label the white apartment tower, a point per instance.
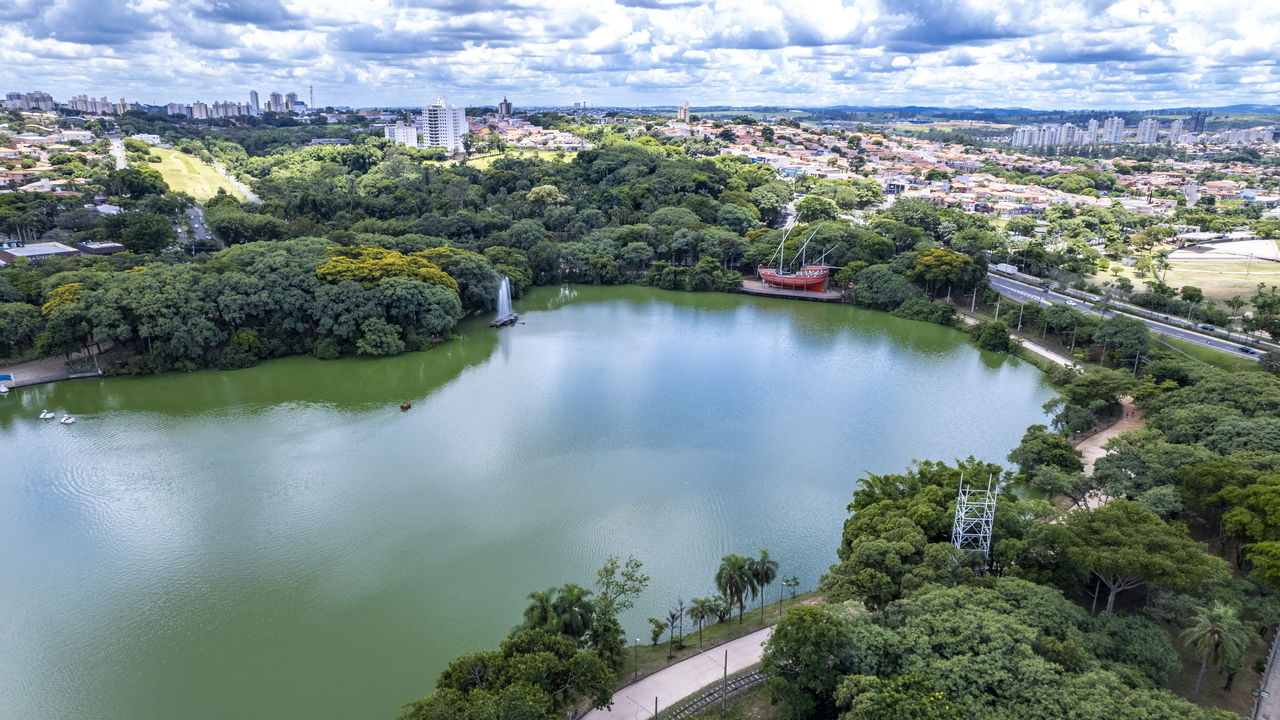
(254, 107)
(276, 103)
(682, 113)
(401, 133)
(443, 125)
(1147, 131)
(1175, 131)
(1113, 130)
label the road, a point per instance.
(244, 189)
(1023, 292)
(117, 150)
(673, 684)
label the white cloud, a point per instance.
(1052, 53)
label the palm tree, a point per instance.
(540, 613)
(1217, 636)
(672, 618)
(763, 572)
(734, 579)
(574, 610)
(700, 611)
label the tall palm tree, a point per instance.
(1217, 636)
(541, 613)
(735, 580)
(763, 571)
(574, 610)
(700, 611)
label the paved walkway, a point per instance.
(1092, 446)
(34, 372)
(674, 684)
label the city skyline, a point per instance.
(1138, 54)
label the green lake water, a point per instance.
(282, 543)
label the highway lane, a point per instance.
(1023, 293)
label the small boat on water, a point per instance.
(67, 420)
(46, 415)
(406, 405)
(3, 389)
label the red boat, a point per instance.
(810, 277)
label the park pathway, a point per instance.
(1092, 446)
(683, 679)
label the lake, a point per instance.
(283, 543)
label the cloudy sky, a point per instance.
(1032, 53)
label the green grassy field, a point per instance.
(188, 174)
(1219, 280)
(1217, 358)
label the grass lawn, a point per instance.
(652, 658)
(1219, 280)
(189, 174)
(482, 162)
(1217, 358)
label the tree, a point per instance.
(804, 659)
(379, 337)
(903, 697)
(700, 611)
(935, 266)
(763, 571)
(19, 325)
(878, 286)
(147, 233)
(735, 579)
(1125, 336)
(814, 208)
(1218, 637)
(1124, 546)
(1039, 448)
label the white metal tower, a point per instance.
(975, 516)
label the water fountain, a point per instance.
(505, 315)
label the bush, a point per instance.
(992, 336)
(927, 311)
(327, 349)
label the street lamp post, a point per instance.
(635, 660)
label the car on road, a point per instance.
(1072, 303)
(1205, 326)
(1248, 350)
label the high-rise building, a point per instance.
(443, 125)
(1092, 129)
(199, 111)
(682, 113)
(1198, 119)
(176, 109)
(276, 103)
(1175, 131)
(401, 133)
(1147, 128)
(253, 102)
(290, 102)
(1113, 130)
(504, 107)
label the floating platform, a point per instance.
(505, 320)
(756, 287)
